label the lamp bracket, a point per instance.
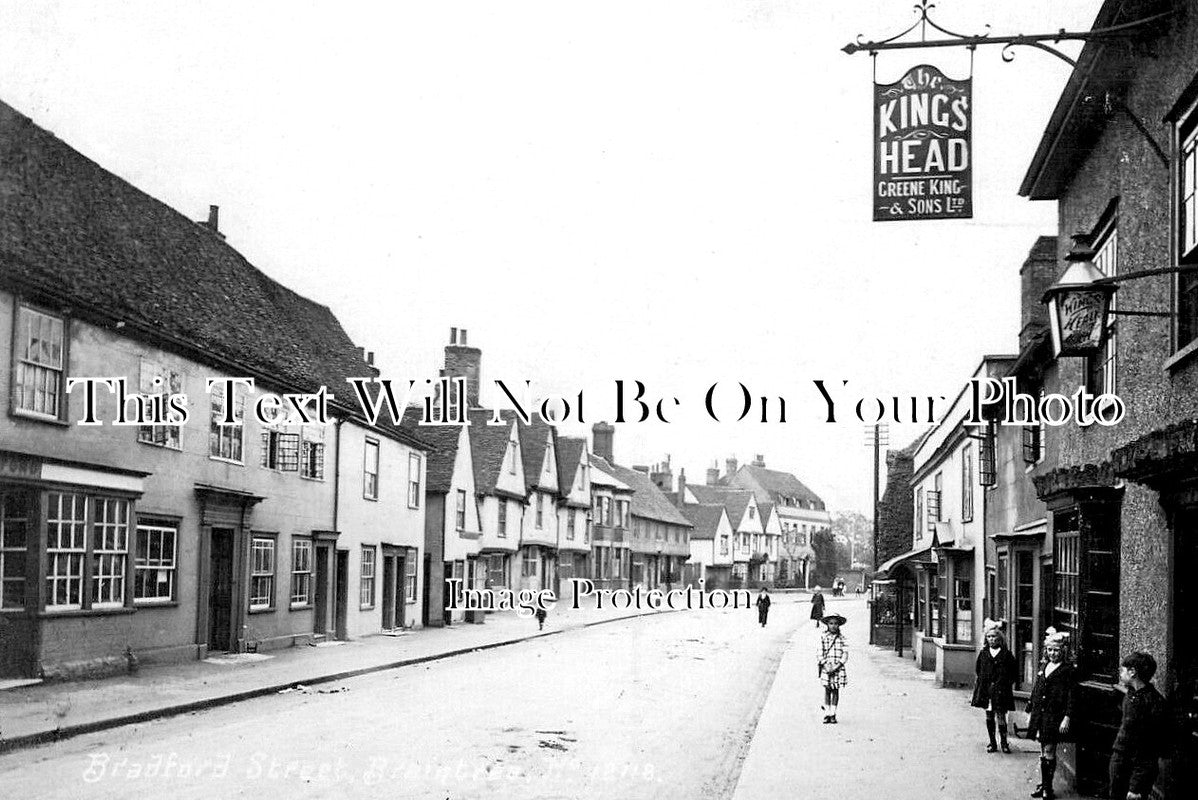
(1037, 40)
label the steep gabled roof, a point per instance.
(733, 499)
(648, 501)
(705, 517)
(534, 438)
(764, 509)
(569, 456)
(488, 445)
(75, 234)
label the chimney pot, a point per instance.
(214, 218)
(453, 335)
(370, 357)
(463, 337)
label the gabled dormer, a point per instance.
(511, 470)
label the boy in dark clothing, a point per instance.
(1133, 767)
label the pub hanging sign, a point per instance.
(923, 145)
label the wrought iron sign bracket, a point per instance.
(1127, 30)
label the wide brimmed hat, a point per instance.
(839, 620)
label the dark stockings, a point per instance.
(997, 719)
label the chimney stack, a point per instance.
(759, 461)
(730, 466)
(213, 221)
(1038, 272)
(681, 487)
(464, 362)
(602, 435)
(713, 473)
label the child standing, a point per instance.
(1051, 708)
(992, 690)
(1133, 766)
(833, 653)
(763, 606)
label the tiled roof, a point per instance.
(705, 517)
(764, 510)
(74, 233)
(488, 445)
(601, 475)
(647, 500)
(444, 440)
(534, 437)
(569, 454)
(733, 499)
(780, 484)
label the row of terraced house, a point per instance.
(1089, 528)
(126, 544)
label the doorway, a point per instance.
(389, 582)
(341, 607)
(220, 591)
(1185, 645)
(320, 624)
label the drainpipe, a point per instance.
(337, 471)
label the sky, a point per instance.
(672, 192)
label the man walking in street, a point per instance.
(763, 606)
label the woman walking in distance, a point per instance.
(995, 680)
(833, 653)
(1051, 708)
(817, 606)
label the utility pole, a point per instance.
(877, 436)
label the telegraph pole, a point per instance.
(876, 436)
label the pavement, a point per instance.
(899, 735)
(35, 714)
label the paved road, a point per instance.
(662, 706)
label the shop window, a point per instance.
(110, 551)
(40, 361)
(66, 549)
(1067, 560)
(301, 572)
(937, 589)
(921, 604)
(1022, 625)
(16, 517)
(962, 609)
(154, 564)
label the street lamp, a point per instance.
(1079, 304)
